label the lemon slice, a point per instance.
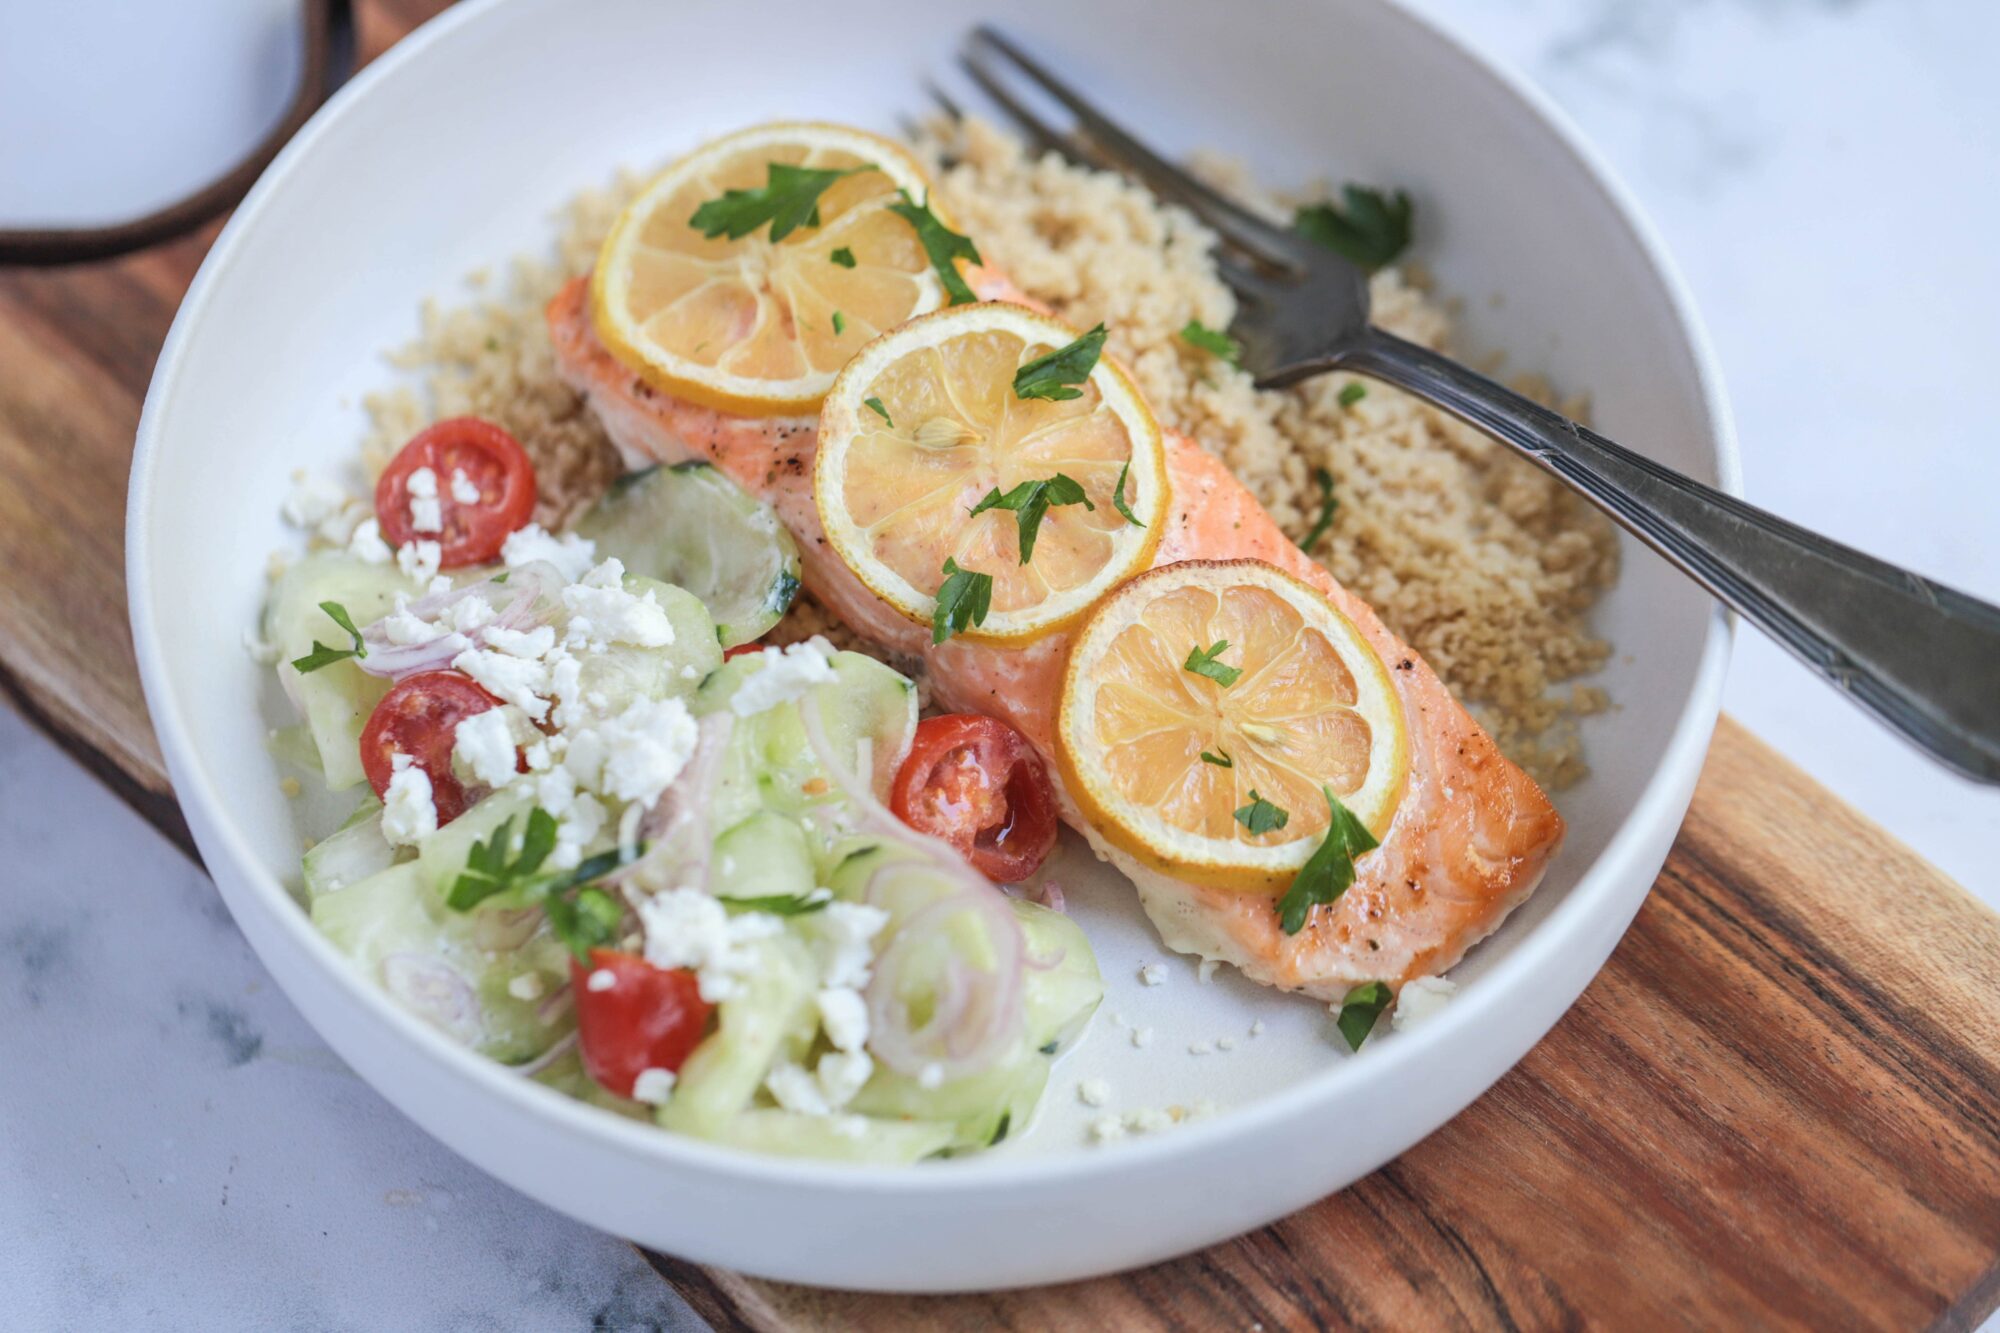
(1310, 705)
(925, 422)
(747, 325)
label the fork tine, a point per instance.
(1045, 137)
(1229, 219)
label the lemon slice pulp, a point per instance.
(749, 325)
(926, 421)
(1310, 705)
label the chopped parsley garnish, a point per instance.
(1054, 375)
(1049, 1048)
(1260, 816)
(963, 600)
(1220, 345)
(1352, 392)
(843, 257)
(1000, 1131)
(1030, 502)
(1370, 231)
(488, 869)
(321, 655)
(1203, 662)
(1118, 497)
(1220, 760)
(875, 405)
(1327, 504)
(1330, 871)
(839, 323)
(788, 199)
(779, 904)
(1359, 1010)
(588, 921)
(943, 245)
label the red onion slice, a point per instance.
(977, 1015)
(527, 599)
(433, 990)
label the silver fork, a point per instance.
(1922, 657)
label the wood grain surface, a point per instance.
(1778, 1106)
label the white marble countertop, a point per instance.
(1827, 173)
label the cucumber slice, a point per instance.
(452, 969)
(690, 525)
(443, 855)
(337, 699)
(839, 1138)
(973, 1108)
(349, 855)
(624, 672)
(1066, 989)
(764, 856)
(725, 1071)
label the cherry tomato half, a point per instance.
(646, 1018)
(493, 462)
(419, 717)
(977, 783)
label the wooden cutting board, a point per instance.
(1778, 1105)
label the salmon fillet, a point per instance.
(1470, 838)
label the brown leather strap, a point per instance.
(329, 59)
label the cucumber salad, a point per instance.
(607, 838)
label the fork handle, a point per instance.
(1922, 657)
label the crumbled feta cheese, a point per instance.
(1107, 1127)
(468, 613)
(462, 489)
(653, 1086)
(1153, 974)
(786, 674)
(534, 643)
(262, 651)
(1421, 999)
(1149, 1121)
(846, 931)
(367, 545)
(337, 528)
(419, 560)
(1142, 1037)
(796, 1090)
(426, 511)
(408, 814)
(1257, 1027)
(570, 554)
(603, 979)
(526, 986)
(844, 1015)
(515, 680)
(1205, 973)
(1225, 1043)
(841, 1074)
(1093, 1092)
(484, 743)
(931, 1077)
(688, 928)
(601, 611)
(634, 755)
(1199, 1048)
(312, 501)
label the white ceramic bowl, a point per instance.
(450, 153)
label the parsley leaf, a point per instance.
(963, 600)
(1327, 504)
(839, 323)
(1118, 497)
(1221, 345)
(943, 245)
(1359, 1010)
(1352, 392)
(321, 655)
(1330, 871)
(1260, 816)
(1221, 760)
(488, 869)
(587, 921)
(788, 199)
(1030, 502)
(843, 257)
(779, 904)
(1052, 376)
(875, 405)
(1202, 661)
(1371, 231)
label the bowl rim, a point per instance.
(1659, 803)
